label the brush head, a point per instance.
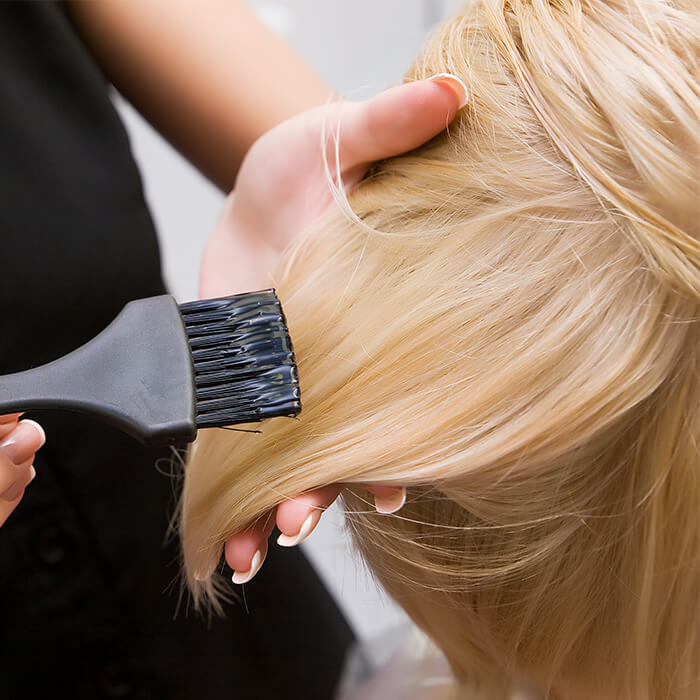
(160, 371)
(243, 360)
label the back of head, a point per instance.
(509, 325)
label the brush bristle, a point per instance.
(243, 359)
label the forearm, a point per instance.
(207, 74)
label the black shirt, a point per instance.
(89, 588)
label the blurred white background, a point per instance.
(358, 47)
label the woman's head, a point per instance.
(508, 325)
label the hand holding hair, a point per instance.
(19, 440)
(282, 187)
(296, 519)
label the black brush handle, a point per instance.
(136, 375)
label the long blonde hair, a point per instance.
(509, 325)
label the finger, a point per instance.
(297, 517)
(245, 551)
(8, 474)
(7, 507)
(8, 423)
(240, 549)
(11, 475)
(387, 499)
(399, 119)
(257, 561)
(24, 474)
(21, 443)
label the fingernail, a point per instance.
(32, 474)
(390, 504)
(308, 525)
(23, 441)
(455, 84)
(245, 576)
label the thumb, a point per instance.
(397, 120)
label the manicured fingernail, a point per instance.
(39, 429)
(455, 84)
(308, 525)
(390, 504)
(23, 441)
(245, 576)
(32, 474)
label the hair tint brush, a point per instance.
(160, 371)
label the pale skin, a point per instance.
(213, 82)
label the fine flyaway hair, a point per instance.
(507, 321)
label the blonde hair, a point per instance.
(509, 325)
